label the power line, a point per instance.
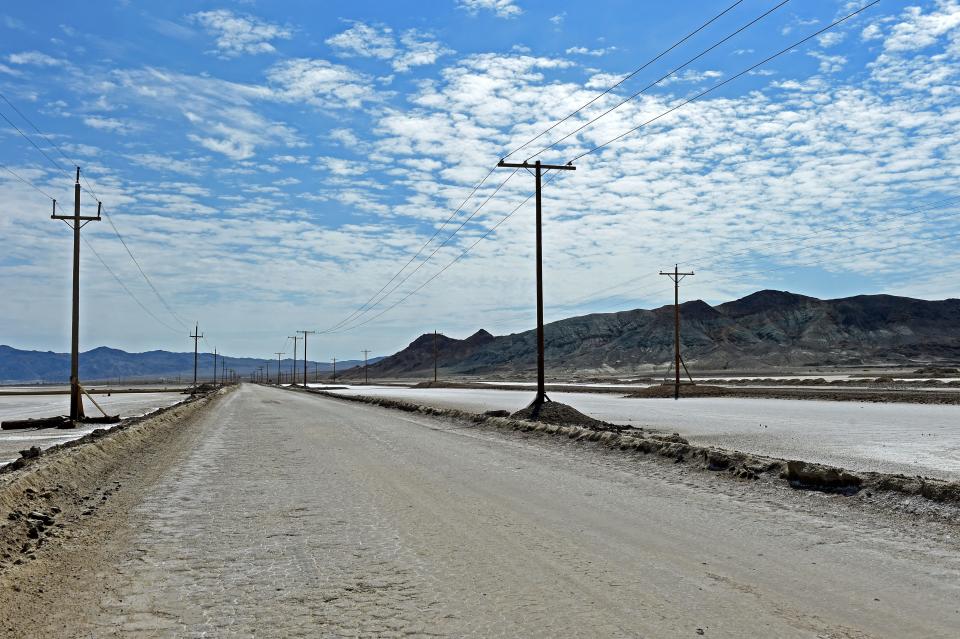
(436, 250)
(728, 80)
(128, 291)
(90, 190)
(418, 253)
(625, 78)
(142, 272)
(661, 79)
(41, 133)
(366, 306)
(36, 146)
(27, 182)
(452, 262)
(793, 240)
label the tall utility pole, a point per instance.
(537, 173)
(334, 369)
(366, 380)
(74, 221)
(268, 371)
(196, 335)
(293, 364)
(305, 333)
(434, 357)
(278, 368)
(676, 276)
(214, 367)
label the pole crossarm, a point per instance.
(528, 165)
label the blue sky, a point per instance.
(272, 165)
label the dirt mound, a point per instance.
(686, 390)
(557, 413)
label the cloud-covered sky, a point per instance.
(272, 165)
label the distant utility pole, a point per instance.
(434, 357)
(305, 333)
(316, 371)
(214, 367)
(538, 169)
(74, 221)
(278, 367)
(366, 380)
(293, 364)
(196, 335)
(334, 369)
(676, 276)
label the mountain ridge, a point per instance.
(764, 330)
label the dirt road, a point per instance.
(286, 514)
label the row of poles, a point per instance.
(78, 221)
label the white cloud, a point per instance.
(591, 52)
(829, 63)
(831, 39)
(872, 32)
(107, 124)
(165, 163)
(501, 8)
(918, 30)
(414, 49)
(320, 83)
(418, 49)
(239, 34)
(365, 41)
(558, 19)
(35, 58)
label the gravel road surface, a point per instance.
(288, 514)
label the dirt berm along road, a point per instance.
(282, 514)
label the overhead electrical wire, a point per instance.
(27, 182)
(125, 288)
(625, 78)
(722, 253)
(91, 191)
(659, 80)
(366, 305)
(671, 110)
(436, 250)
(726, 82)
(454, 260)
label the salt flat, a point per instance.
(900, 438)
(32, 406)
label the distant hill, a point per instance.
(101, 364)
(767, 329)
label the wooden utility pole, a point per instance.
(293, 365)
(538, 172)
(334, 369)
(305, 333)
(278, 368)
(214, 367)
(366, 380)
(76, 222)
(434, 357)
(196, 335)
(676, 276)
